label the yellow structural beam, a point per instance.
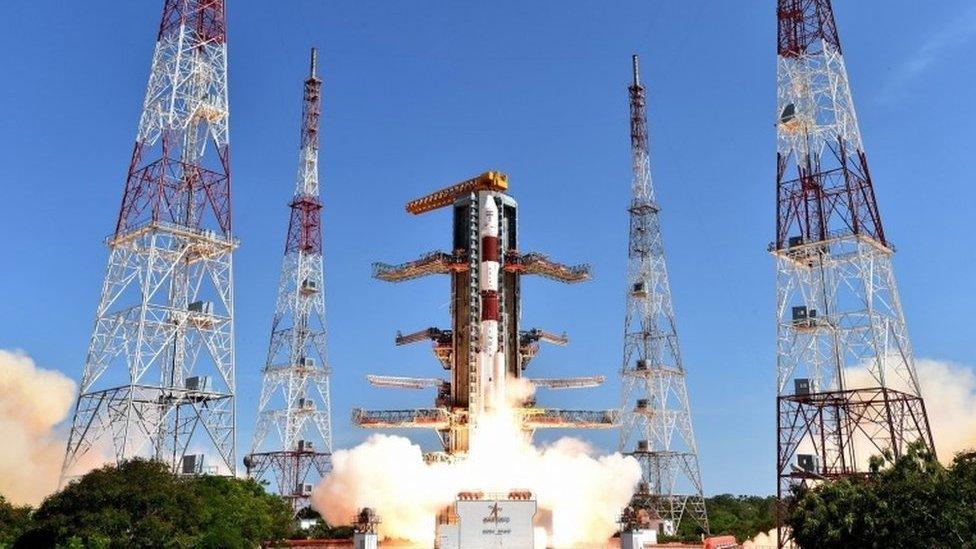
(488, 181)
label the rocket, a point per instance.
(492, 370)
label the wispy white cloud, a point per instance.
(954, 33)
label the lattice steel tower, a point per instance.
(837, 301)
(159, 375)
(655, 409)
(295, 403)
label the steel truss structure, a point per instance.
(159, 375)
(654, 405)
(295, 404)
(443, 419)
(438, 262)
(876, 418)
(838, 308)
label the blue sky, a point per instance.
(420, 94)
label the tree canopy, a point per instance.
(141, 504)
(13, 521)
(910, 502)
(741, 516)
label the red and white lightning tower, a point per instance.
(159, 375)
(837, 301)
(295, 404)
(655, 412)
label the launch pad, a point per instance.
(488, 521)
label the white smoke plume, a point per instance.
(950, 399)
(32, 401)
(584, 492)
(949, 390)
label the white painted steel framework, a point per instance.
(845, 374)
(654, 406)
(400, 382)
(849, 283)
(842, 270)
(293, 438)
(159, 374)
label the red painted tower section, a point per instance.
(827, 187)
(305, 226)
(168, 180)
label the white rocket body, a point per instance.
(492, 371)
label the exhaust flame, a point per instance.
(583, 491)
(32, 401)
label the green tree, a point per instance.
(141, 504)
(741, 516)
(238, 513)
(13, 521)
(322, 529)
(910, 502)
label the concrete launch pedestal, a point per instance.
(489, 521)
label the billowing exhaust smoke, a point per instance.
(33, 401)
(949, 391)
(584, 492)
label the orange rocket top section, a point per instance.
(488, 181)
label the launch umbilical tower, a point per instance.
(159, 374)
(295, 408)
(656, 426)
(484, 349)
(837, 303)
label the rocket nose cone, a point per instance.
(490, 205)
(489, 217)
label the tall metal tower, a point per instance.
(836, 297)
(654, 404)
(159, 374)
(295, 401)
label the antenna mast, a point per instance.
(295, 402)
(654, 405)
